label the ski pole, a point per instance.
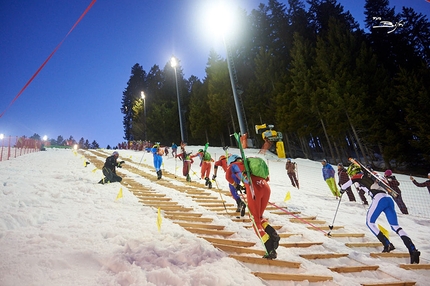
(141, 159)
(331, 226)
(220, 195)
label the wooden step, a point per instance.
(302, 218)
(247, 220)
(286, 235)
(155, 203)
(394, 283)
(309, 221)
(264, 261)
(228, 241)
(176, 208)
(209, 231)
(326, 227)
(364, 244)
(292, 277)
(214, 201)
(347, 234)
(200, 225)
(285, 213)
(216, 205)
(154, 199)
(237, 249)
(189, 218)
(148, 194)
(174, 213)
(299, 244)
(414, 266)
(277, 227)
(389, 254)
(351, 269)
(323, 255)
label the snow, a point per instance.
(59, 227)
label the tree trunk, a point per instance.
(326, 136)
(357, 139)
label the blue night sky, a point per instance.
(78, 93)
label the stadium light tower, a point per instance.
(174, 64)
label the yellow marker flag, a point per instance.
(384, 231)
(94, 170)
(119, 194)
(287, 196)
(159, 220)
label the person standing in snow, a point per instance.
(343, 178)
(174, 149)
(394, 184)
(328, 175)
(382, 202)
(256, 204)
(205, 166)
(222, 162)
(109, 169)
(291, 172)
(424, 184)
(157, 153)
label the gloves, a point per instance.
(240, 188)
(213, 177)
(119, 164)
(342, 191)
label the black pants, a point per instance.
(111, 176)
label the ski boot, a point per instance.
(208, 183)
(271, 252)
(388, 246)
(413, 252)
(188, 178)
(159, 174)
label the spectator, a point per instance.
(424, 184)
(328, 175)
(291, 172)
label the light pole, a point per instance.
(174, 63)
(144, 114)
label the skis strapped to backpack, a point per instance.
(245, 163)
(383, 184)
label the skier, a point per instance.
(109, 169)
(394, 184)
(382, 202)
(256, 205)
(343, 178)
(424, 184)
(222, 162)
(187, 161)
(351, 171)
(174, 149)
(157, 153)
(291, 172)
(206, 166)
(328, 175)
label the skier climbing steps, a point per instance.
(194, 222)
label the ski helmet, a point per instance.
(232, 159)
(115, 153)
(288, 159)
(388, 173)
(200, 150)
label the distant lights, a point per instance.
(75, 146)
(45, 138)
(1, 136)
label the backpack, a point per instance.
(206, 156)
(258, 167)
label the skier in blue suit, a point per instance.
(157, 152)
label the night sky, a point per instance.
(78, 92)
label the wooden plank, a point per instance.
(153, 199)
(286, 235)
(310, 221)
(277, 227)
(237, 249)
(347, 234)
(155, 203)
(148, 194)
(303, 218)
(300, 244)
(414, 266)
(326, 227)
(200, 225)
(228, 242)
(389, 254)
(395, 283)
(351, 269)
(211, 202)
(323, 255)
(216, 205)
(363, 244)
(264, 261)
(174, 213)
(176, 208)
(241, 219)
(189, 218)
(285, 213)
(210, 231)
(292, 277)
